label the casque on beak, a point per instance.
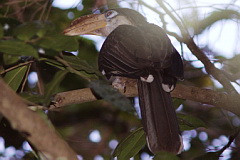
(89, 24)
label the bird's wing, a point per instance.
(124, 51)
(136, 52)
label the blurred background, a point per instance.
(94, 129)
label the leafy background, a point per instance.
(32, 44)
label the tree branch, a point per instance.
(33, 127)
(210, 68)
(205, 96)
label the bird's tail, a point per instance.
(159, 117)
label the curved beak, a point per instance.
(89, 24)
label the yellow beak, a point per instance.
(89, 24)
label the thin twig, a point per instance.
(25, 77)
(69, 67)
(22, 8)
(36, 11)
(181, 21)
(14, 2)
(44, 9)
(169, 13)
(6, 13)
(210, 68)
(151, 8)
(231, 139)
(48, 12)
(14, 67)
(40, 83)
(161, 15)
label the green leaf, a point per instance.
(187, 122)
(38, 99)
(131, 145)
(177, 102)
(137, 157)
(18, 48)
(10, 59)
(15, 77)
(87, 51)
(58, 42)
(53, 62)
(28, 30)
(1, 31)
(11, 22)
(52, 87)
(50, 52)
(111, 95)
(165, 156)
(81, 65)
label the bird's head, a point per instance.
(104, 24)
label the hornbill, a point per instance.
(137, 49)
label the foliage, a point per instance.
(31, 40)
(131, 145)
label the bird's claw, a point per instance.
(119, 84)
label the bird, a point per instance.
(137, 49)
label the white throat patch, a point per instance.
(115, 22)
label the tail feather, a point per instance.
(159, 117)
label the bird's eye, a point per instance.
(110, 14)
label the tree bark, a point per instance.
(205, 96)
(39, 132)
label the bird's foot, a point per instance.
(103, 72)
(119, 83)
(148, 79)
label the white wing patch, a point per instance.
(167, 87)
(149, 79)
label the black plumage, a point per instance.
(137, 49)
